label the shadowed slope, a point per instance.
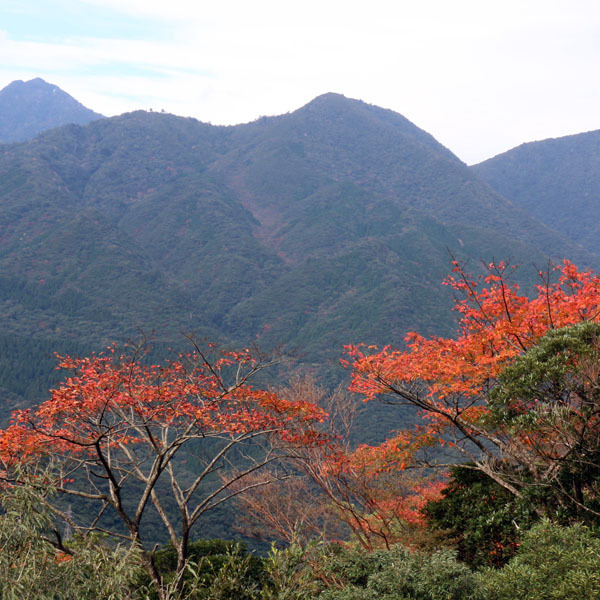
(557, 180)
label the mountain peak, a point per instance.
(36, 81)
(30, 107)
(332, 97)
(333, 101)
(334, 110)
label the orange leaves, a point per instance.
(113, 401)
(409, 506)
(449, 380)
(62, 558)
(374, 492)
(18, 444)
(497, 324)
(394, 454)
(119, 427)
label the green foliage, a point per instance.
(553, 563)
(288, 575)
(28, 369)
(554, 389)
(235, 579)
(399, 574)
(32, 568)
(222, 570)
(216, 570)
(481, 518)
(549, 373)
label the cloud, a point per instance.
(480, 76)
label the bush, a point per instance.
(553, 563)
(400, 574)
(31, 567)
(290, 573)
(216, 570)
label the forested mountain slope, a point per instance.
(557, 180)
(30, 107)
(314, 229)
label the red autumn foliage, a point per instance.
(338, 490)
(380, 503)
(115, 421)
(114, 402)
(449, 379)
(497, 324)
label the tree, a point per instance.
(549, 400)
(337, 489)
(397, 573)
(480, 518)
(472, 390)
(115, 432)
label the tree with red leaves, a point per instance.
(119, 434)
(516, 392)
(339, 489)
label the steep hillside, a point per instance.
(557, 180)
(322, 227)
(363, 207)
(30, 107)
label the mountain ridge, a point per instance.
(322, 227)
(28, 108)
(557, 180)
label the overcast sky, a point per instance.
(481, 76)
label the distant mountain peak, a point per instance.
(36, 81)
(557, 180)
(29, 107)
(332, 97)
(333, 100)
(357, 117)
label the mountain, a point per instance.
(326, 226)
(557, 180)
(30, 107)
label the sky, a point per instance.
(482, 76)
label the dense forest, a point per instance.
(327, 226)
(206, 338)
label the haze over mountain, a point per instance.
(30, 107)
(325, 226)
(557, 180)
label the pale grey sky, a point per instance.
(481, 76)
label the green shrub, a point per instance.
(289, 575)
(400, 574)
(553, 563)
(216, 570)
(32, 568)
